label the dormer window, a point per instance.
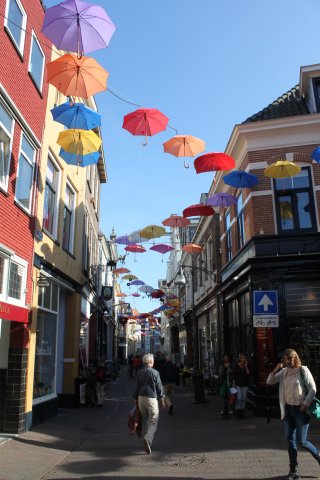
(316, 90)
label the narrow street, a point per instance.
(193, 442)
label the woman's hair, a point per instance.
(289, 352)
(147, 359)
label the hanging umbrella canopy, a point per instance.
(146, 289)
(135, 248)
(80, 160)
(76, 115)
(120, 294)
(135, 237)
(137, 282)
(79, 142)
(198, 210)
(184, 146)
(129, 277)
(222, 200)
(175, 221)
(192, 248)
(282, 169)
(240, 179)
(152, 231)
(316, 155)
(135, 294)
(145, 121)
(210, 162)
(157, 294)
(123, 240)
(121, 270)
(161, 248)
(78, 26)
(78, 77)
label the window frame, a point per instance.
(4, 186)
(35, 81)
(240, 223)
(32, 164)
(70, 248)
(20, 47)
(228, 236)
(54, 233)
(315, 84)
(293, 194)
(4, 295)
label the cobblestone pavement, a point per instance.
(192, 443)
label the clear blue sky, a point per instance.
(206, 64)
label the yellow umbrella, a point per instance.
(152, 231)
(282, 169)
(129, 277)
(80, 142)
(286, 212)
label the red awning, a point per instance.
(13, 313)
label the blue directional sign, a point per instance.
(265, 302)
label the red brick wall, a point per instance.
(17, 230)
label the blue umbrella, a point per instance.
(80, 160)
(222, 200)
(76, 115)
(316, 155)
(240, 179)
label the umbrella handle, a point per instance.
(145, 142)
(186, 164)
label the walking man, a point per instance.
(148, 390)
(169, 374)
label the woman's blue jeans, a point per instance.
(296, 431)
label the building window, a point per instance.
(6, 134)
(240, 221)
(15, 23)
(68, 220)
(36, 64)
(316, 90)
(50, 209)
(25, 174)
(295, 203)
(228, 236)
(13, 274)
(46, 343)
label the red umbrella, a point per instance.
(198, 210)
(145, 121)
(214, 161)
(157, 294)
(175, 221)
(135, 248)
(121, 270)
(192, 248)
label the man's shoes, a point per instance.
(147, 446)
(293, 474)
(170, 409)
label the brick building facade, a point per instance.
(23, 94)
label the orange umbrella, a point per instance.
(79, 77)
(192, 248)
(184, 146)
(175, 221)
(119, 271)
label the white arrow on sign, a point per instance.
(265, 302)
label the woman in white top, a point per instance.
(297, 389)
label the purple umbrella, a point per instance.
(135, 295)
(137, 282)
(123, 240)
(77, 26)
(161, 248)
(222, 200)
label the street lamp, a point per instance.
(197, 375)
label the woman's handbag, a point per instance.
(314, 408)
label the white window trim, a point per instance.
(72, 226)
(20, 48)
(32, 163)
(4, 186)
(24, 264)
(54, 234)
(34, 39)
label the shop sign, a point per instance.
(13, 313)
(266, 321)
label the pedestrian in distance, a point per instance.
(130, 365)
(241, 381)
(100, 381)
(170, 378)
(297, 390)
(137, 364)
(225, 379)
(148, 390)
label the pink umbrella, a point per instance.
(135, 295)
(176, 221)
(135, 248)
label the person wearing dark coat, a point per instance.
(170, 378)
